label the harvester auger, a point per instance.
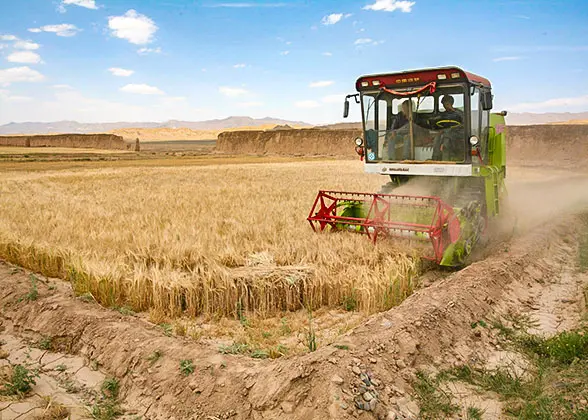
(432, 127)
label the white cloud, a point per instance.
(8, 38)
(511, 58)
(250, 104)
(361, 42)
(27, 57)
(145, 51)
(284, 52)
(579, 102)
(117, 71)
(61, 87)
(240, 66)
(322, 83)
(19, 74)
(307, 104)
(327, 54)
(63, 29)
(141, 89)
(132, 26)
(332, 18)
(391, 6)
(6, 96)
(332, 99)
(26, 45)
(88, 4)
(232, 91)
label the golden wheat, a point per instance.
(196, 240)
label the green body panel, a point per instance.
(493, 174)
(497, 141)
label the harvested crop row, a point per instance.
(200, 240)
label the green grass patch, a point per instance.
(155, 356)
(235, 348)
(555, 386)
(434, 403)
(33, 293)
(45, 343)
(186, 367)
(20, 382)
(564, 348)
(474, 413)
(107, 405)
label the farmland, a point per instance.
(208, 262)
(214, 240)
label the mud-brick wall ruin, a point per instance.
(562, 143)
(567, 143)
(303, 142)
(91, 141)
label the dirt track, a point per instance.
(531, 273)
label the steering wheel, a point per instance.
(448, 124)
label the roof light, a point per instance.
(441, 76)
(376, 83)
(455, 75)
(365, 84)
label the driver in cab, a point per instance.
(447, 119)
(450, 112)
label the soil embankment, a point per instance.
(566, 143)
(90, 141)
(182, 133)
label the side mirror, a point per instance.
(486, 100)
(346, 108)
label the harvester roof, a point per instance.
(419, 77)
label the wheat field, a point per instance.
(193, 240)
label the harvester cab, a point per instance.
(434, 129)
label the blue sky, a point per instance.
(154, 60)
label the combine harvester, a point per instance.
(434, 128)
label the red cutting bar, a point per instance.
(442, 230)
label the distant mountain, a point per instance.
(82, 128)
(342, 126)
(527, 118)
(230, 122)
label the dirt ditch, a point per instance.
(368, 373)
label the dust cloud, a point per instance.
(533, 195)
(547, 197)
